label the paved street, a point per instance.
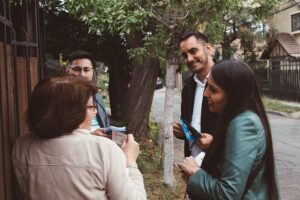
(157, 114)
(286, 139)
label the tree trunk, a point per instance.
(140, 96)
(228, 38)
(118, 87)
(226, 49)
(178, 80)
(116, 58)
(168, 116)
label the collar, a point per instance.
(202, 83)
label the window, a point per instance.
(295, 22)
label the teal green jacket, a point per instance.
(245, 146)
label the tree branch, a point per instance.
(161, 21)
(182, 18)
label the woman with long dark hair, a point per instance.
(239, 163)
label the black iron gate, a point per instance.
(282, 79)
(21, 61)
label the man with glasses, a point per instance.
(80, 64)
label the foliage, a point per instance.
(112, 15)
(221, 20)
(271, 38)
(150, 164)
(151, 41)
(151, 151)
(65, 34)
(242, 20)
(261, 71)
(156, 189)
(103, 83)
(62, 62)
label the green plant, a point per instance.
(151, 151)
(102, 82)
(63, 63)
(151, 162)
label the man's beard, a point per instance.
(203, 62)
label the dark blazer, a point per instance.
(209, 120)
(101, 113)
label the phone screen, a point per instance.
(192, 129)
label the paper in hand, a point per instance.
(199, 158)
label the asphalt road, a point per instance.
(286, 141)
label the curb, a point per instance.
(280, 113)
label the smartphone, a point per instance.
(192, 129)
(118, 137)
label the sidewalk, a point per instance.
(288, 103)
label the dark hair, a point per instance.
(199, 36)
(238, 81)
(57, 105)
(79, 54)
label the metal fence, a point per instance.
(280, 79)
(21, 64)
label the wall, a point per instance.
(280, 18)
(20, 69)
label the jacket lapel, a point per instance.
(101, 110)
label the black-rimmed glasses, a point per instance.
(93, 107)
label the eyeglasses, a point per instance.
(79, 69)
(92, 108)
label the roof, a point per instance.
(288, 43)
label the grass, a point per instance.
(151, 165)
(272, 104)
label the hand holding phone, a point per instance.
(118, 137)
(192, 130)
(131, 150)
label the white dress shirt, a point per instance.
(196, 151)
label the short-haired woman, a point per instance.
(239, 163)
(60, 159)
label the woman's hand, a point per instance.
(188, 166)
(131, 150)
(205, 141)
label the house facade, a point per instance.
(286, 18)
(283, 52)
